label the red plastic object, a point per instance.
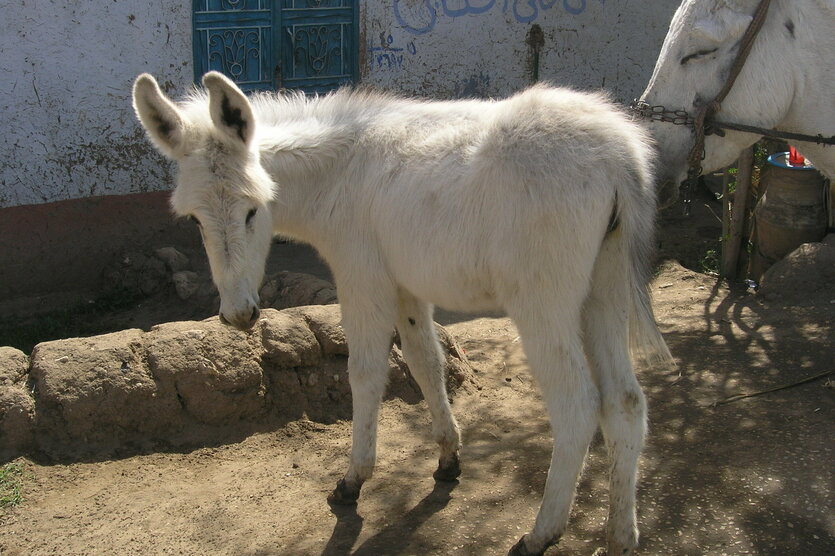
(795, 158)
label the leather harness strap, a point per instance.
(704, 115)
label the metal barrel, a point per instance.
(791, 211)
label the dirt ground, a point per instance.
(753, 476)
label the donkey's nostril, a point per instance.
(255, 314)
(223, 319)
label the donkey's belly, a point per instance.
(453, 291)
(465, 304)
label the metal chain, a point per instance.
(660, 113)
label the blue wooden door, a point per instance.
(317, 43)
(271, 44)
(235, 37)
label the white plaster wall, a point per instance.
(456, 48)
(66, 69)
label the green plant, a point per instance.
(732, 172)
(760, 154)
(11, 476)
(709, 262)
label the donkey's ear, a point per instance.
(708, 31)
(160, 118)
(736, 23)
(725, 26)
(229, 108)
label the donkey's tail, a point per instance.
(645, 341)
(637, 212)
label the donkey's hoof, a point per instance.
(345, 494)
(521, 549)
(449, 471)
(616, 549)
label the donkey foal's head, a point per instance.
(220, 183)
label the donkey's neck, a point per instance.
(306, 152)
(807, 57)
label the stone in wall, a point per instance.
(212, 370)
(148, 273)
(98, 394)
(293, 289)
(17, 407)
(805, 271)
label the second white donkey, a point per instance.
(541, 205)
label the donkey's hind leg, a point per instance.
(422, 353)
(623, 407)
(555, 354)
(368, 315)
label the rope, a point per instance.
(745, 48)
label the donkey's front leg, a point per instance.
(369, 330)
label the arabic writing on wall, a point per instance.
(423, 18)
(389, 56)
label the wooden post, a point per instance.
(726, 212)
(733, 242)
(747, 228)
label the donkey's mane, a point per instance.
(276, 109)
(292, 122)
(347, 102)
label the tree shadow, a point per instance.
(749, 476)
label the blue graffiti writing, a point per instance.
(390, 57)
(423, 19)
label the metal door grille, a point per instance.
(261, 44)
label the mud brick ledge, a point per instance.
(185, 384)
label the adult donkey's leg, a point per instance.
(368, 315)
(623, 408)
(551, 337)
(422, 353)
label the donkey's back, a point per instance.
(469, 201)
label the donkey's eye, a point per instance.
(249, 216)
(698, 54)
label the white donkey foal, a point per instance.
(541, 205)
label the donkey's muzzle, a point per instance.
(668, 193)
(242, 323)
